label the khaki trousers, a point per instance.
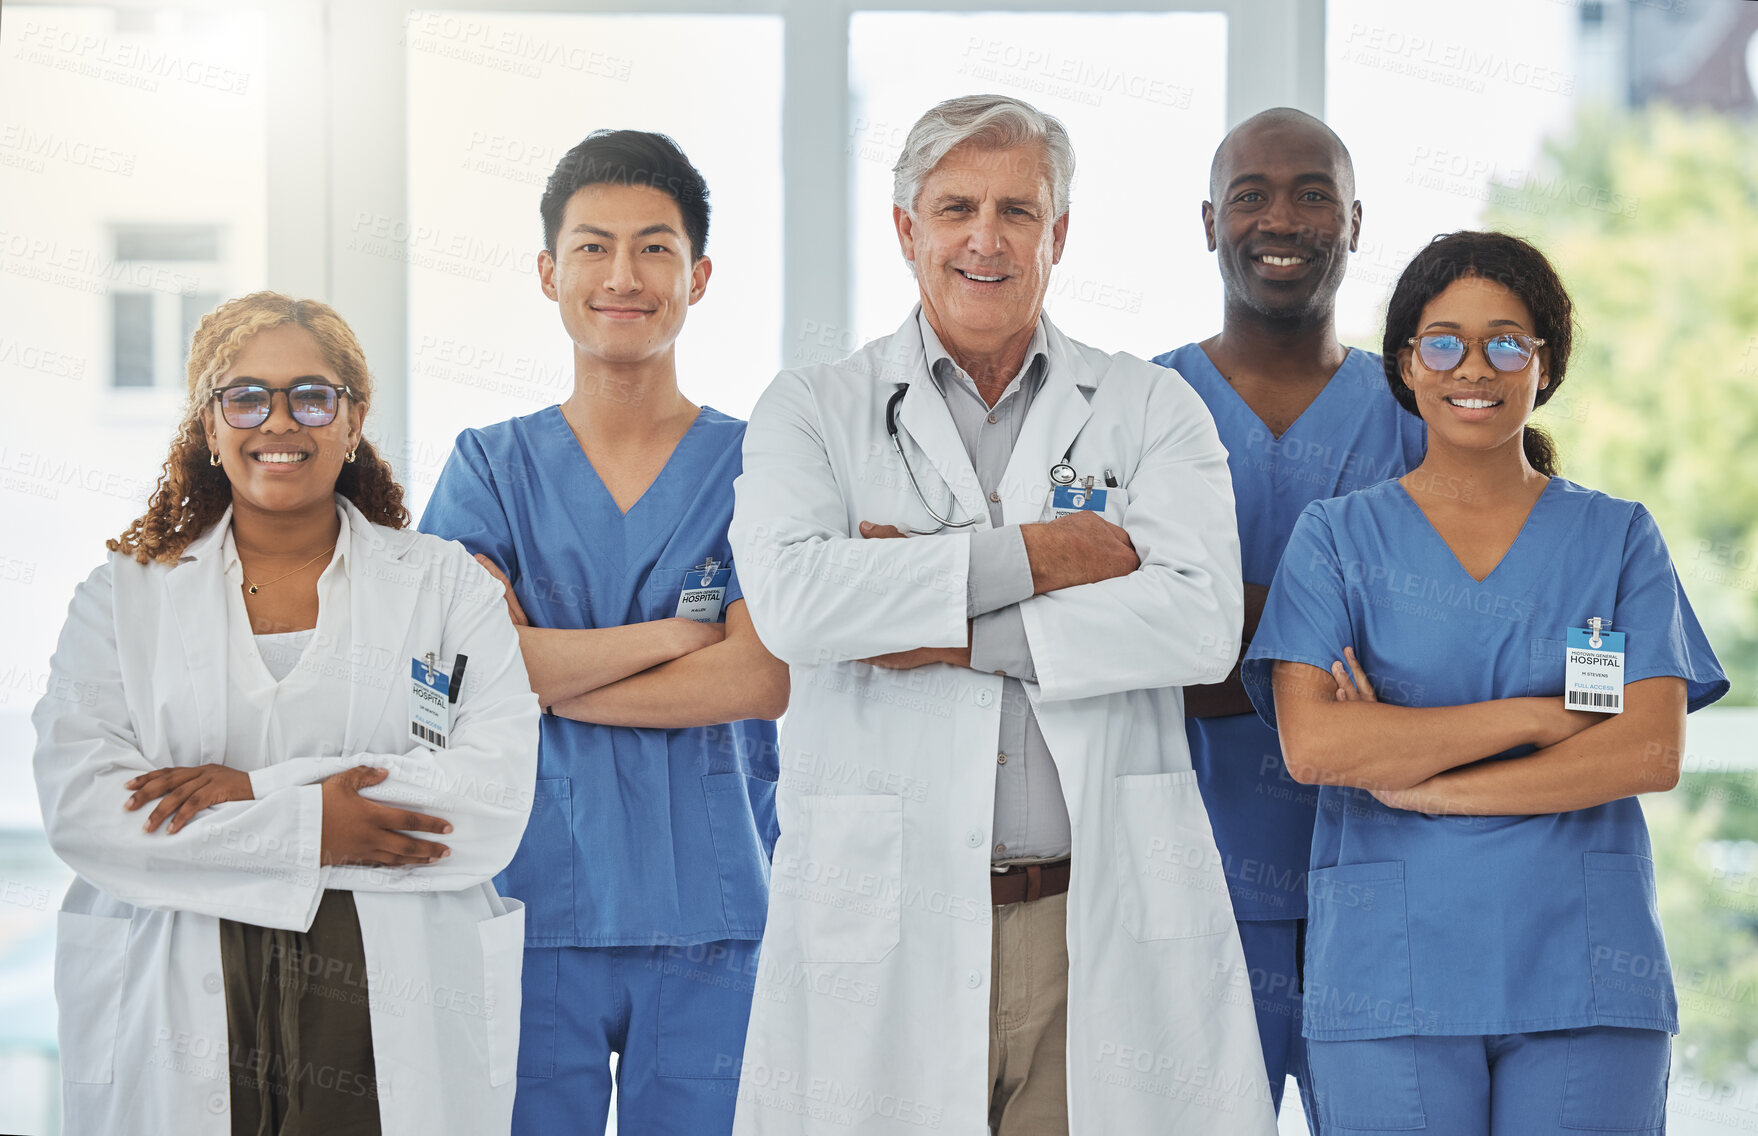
(1028, 1018)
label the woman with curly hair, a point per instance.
(250, 713)
(1482, 665)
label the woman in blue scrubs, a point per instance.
(1484, 953)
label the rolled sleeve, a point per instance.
(1000, 572)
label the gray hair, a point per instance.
(991, 122)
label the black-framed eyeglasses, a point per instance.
(1506, 352)
(245, 406)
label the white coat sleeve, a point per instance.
(482, 782)
(253, 861)
(1175, 620)
(816, 594)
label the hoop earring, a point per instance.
(349, 456)
(213, 459)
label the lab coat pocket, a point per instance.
(1545, 668)
(1172, 885)
(1632, 979)
(842, 869)
(91, 953)
(503, 952)
(1358, 978)
(541, 875)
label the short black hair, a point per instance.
(1502, 259)
(628, 157)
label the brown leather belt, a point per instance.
(1023, 883)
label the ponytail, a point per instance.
(1541, 452)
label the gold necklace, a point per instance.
(254, 586)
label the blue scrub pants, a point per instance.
(1561, 1082)
(1272, 956)
(676, 1016)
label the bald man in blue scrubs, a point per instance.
(1303, 418)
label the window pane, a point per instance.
(168, 242)
(132, 319)
(1434, 110)
(195, 306)
(1143, 98)
(495, 100)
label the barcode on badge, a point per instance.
(431, 737)
(1586, 700)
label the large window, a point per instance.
(495, 100)
(1144, 99)
(133, 190)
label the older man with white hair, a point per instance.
(992, 557)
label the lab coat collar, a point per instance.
(384, 587)
(1057, 414)
(358, 538)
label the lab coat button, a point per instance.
(974, 838)
(211, 984)
(985, 697)
(217, 1103)
(974, 979)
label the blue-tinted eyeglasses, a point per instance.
(1506, 352)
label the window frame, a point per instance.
(357, 165)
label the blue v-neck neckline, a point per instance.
(1516, 546)
(568, 439)
(1245, 407)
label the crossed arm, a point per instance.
(1429, 759)
(1226, 698)
(661, 674)
(1081, 548)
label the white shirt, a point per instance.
(295, 707)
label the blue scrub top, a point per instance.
(1354, 434)
(637, 836)
(1464, 924)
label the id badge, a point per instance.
(1593, 676)
(1068, 499)
(430, 707)
(704, 594)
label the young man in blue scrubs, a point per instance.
(1303, 418)
(645, 867)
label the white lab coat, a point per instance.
(139, 682)
(871, 1006)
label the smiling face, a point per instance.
(1283, 219)
(622, 272)
(282, 465)
(1474, 406)
(982, 240)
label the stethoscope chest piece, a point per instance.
(1062, 473)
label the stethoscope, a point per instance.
(1062, 473)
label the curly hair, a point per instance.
(192, 494)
